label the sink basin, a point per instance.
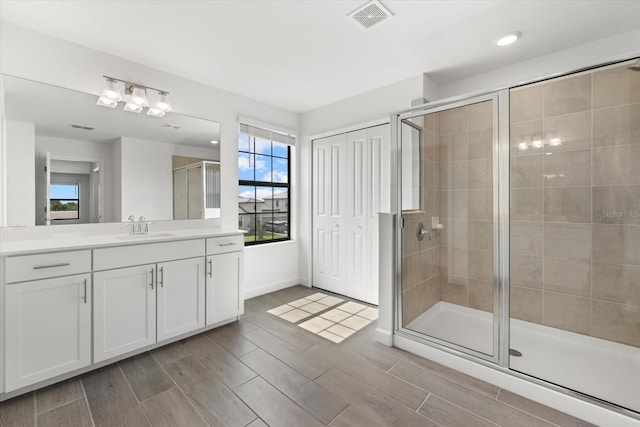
(144, 236)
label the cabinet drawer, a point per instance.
(221, 245)
(41, 266)
(150, 253)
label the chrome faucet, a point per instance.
(143, 226)
(132, 224)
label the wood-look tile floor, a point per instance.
(263, 370)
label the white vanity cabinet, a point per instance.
(181, 287)
(225, 259)
(124, 313)
(48, 320)
(143, 295)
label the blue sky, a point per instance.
(267, 168)
(63, 191)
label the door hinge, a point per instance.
(45, 168)
(401, 222)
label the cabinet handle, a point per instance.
(226, 244)
(85, 291)
(60, 264)
(151, 278)
(210, 268)
(162, 276)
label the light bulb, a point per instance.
(523, 146)
(111, 91)
(106, 102)
(133, 108)
(555, 142)
(155, 112)
(139, 97)
(537, 144)
(508, 38)
(162, 103)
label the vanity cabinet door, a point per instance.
(224, 287)
(48, 329)
(124, 313)
(180, 297)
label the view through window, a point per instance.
(64, 201)
(263, 191)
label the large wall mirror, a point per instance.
(69, 161)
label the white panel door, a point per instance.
(378, 157)
(329, 221)
(48, 329)
(358, 184)
(124, 312)
(180, 297)
(224, 284)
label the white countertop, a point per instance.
(62, 243)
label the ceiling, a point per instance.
(300, 55)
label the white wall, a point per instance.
(20, 173)
(35, 56)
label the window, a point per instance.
(64, 201)
(264, 162)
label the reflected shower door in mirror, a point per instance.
(118, 162)
(447, 239)
(196, 189)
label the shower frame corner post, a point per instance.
(395, 182)
(501, 228)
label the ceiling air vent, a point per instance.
(76, 126)
(170, 126)
(371, 14)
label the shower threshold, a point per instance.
(593, 366)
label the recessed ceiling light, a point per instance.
(214, 141)
(508, 38)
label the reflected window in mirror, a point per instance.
(64, 201)
(264, 164)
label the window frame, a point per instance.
(256, 183)
(77, 200)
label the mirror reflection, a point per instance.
(69, 161)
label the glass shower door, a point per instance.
(447, 270)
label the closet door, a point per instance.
(379, 195)
(329, 220)
(367, 194)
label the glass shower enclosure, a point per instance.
(520, 238)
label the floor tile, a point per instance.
(355, 322)
(212, 398)
(58, 395)
(314, 307)
(318, 401)
(231, 340)
(331, 336)
(18, 411)
(145, 375)
(74, 414)
(299, 302)
(342, 331)
(352, 307)
(273, 406)
(335, 315)
(316, 297)
(281, 309)
(330, 301)
(171, 408)
(295, 315)
(448, 414)
(316, 324)
(540, 410)
(369, 313)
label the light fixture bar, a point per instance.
(128, 83)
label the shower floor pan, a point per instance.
(603, 369)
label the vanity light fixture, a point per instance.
(135, 97)
(509, 38)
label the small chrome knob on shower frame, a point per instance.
(421, 232)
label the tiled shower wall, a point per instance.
(456, 265)
(575, 207)
(421, 259)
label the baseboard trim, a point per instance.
(272, 287)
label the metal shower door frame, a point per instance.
(500, 222)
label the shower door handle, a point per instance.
(421, 232)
